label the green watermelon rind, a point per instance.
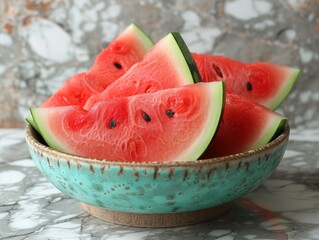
(281, 126)
(31, 121)
(273, 128)
(181, 58)
(145, 39)
(286, 89)
(217, 96)
(38, 115)
(192, 67)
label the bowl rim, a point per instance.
(32, 136)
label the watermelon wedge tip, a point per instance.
(292, 74)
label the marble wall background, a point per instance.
(43, 42)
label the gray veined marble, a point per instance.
(286, 206)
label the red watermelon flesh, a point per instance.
(244, 126)
(264, 83)
(147, 127)
(126, 50)
(169, 64)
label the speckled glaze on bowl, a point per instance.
(156, 194)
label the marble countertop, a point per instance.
(286, 206)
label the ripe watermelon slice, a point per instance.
(169, 64)
(244, 126)
(123, 52)
(264, 83)
(147, 127)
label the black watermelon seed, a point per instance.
(170, 113)
(112, 123)
(249, 86)
(218, 71)
(117, 65)
(146, 117)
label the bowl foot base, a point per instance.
(156, 220)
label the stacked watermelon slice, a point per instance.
(145, 103)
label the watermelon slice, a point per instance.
(169, 64)
(264, 83)
(147, 127)
(244, 126)
(124, 51)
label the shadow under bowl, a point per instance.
(157, 194)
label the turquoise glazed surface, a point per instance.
(157, 187)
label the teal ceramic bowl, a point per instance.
(156, 194)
